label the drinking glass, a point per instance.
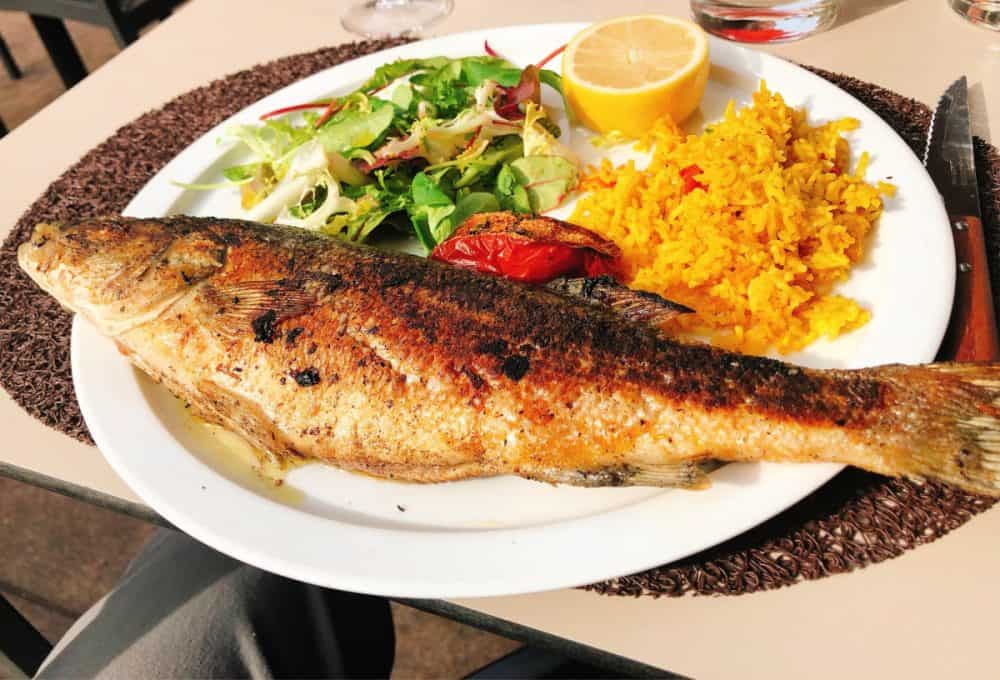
(764, 21)
(381, 18)
(985, 13)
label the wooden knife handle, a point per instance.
(972, 331)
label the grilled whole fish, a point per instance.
(311, 348)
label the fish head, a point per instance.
(120, 273)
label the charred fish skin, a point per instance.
(411, 369)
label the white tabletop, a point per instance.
(898, 618)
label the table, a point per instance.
(887, 620)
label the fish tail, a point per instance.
(954, 413)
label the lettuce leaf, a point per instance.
(475, 70)
(510, 193)
(372, 204)
(554, 80)
(317, 205)
(358, 129)
(546, 180)
(241, 173)
(472, 203)
(538, 140)
(272, 139)
(471, 170)
(440, 222)
(439, 115)
(386, 74)
(426, 192)
(430, 211)
(402, 96)
(448, 90)
(310, 202)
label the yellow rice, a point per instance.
(756, 254)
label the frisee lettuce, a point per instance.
(424, 142)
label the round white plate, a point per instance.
(502, 535)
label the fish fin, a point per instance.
(635, 305)
(255, 307)
(689, 474)
(221, 406)
(959, 409)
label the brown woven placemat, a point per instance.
(855, 520)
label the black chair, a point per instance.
(125, 18)
(12, 69)
(9, 65)
(532, 662)
(23, 648)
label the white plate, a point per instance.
(503, 535)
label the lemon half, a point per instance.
(624, 73)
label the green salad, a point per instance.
(423, 144)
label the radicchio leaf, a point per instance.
(509, 99)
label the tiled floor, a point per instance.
(60, 555)
(57, 555)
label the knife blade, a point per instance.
(972, 330)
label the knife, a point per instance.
(972, 330)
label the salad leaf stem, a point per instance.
(210, 185)
(328, 113)
(550, 56)
(297, 107)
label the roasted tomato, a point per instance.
(532, 250)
